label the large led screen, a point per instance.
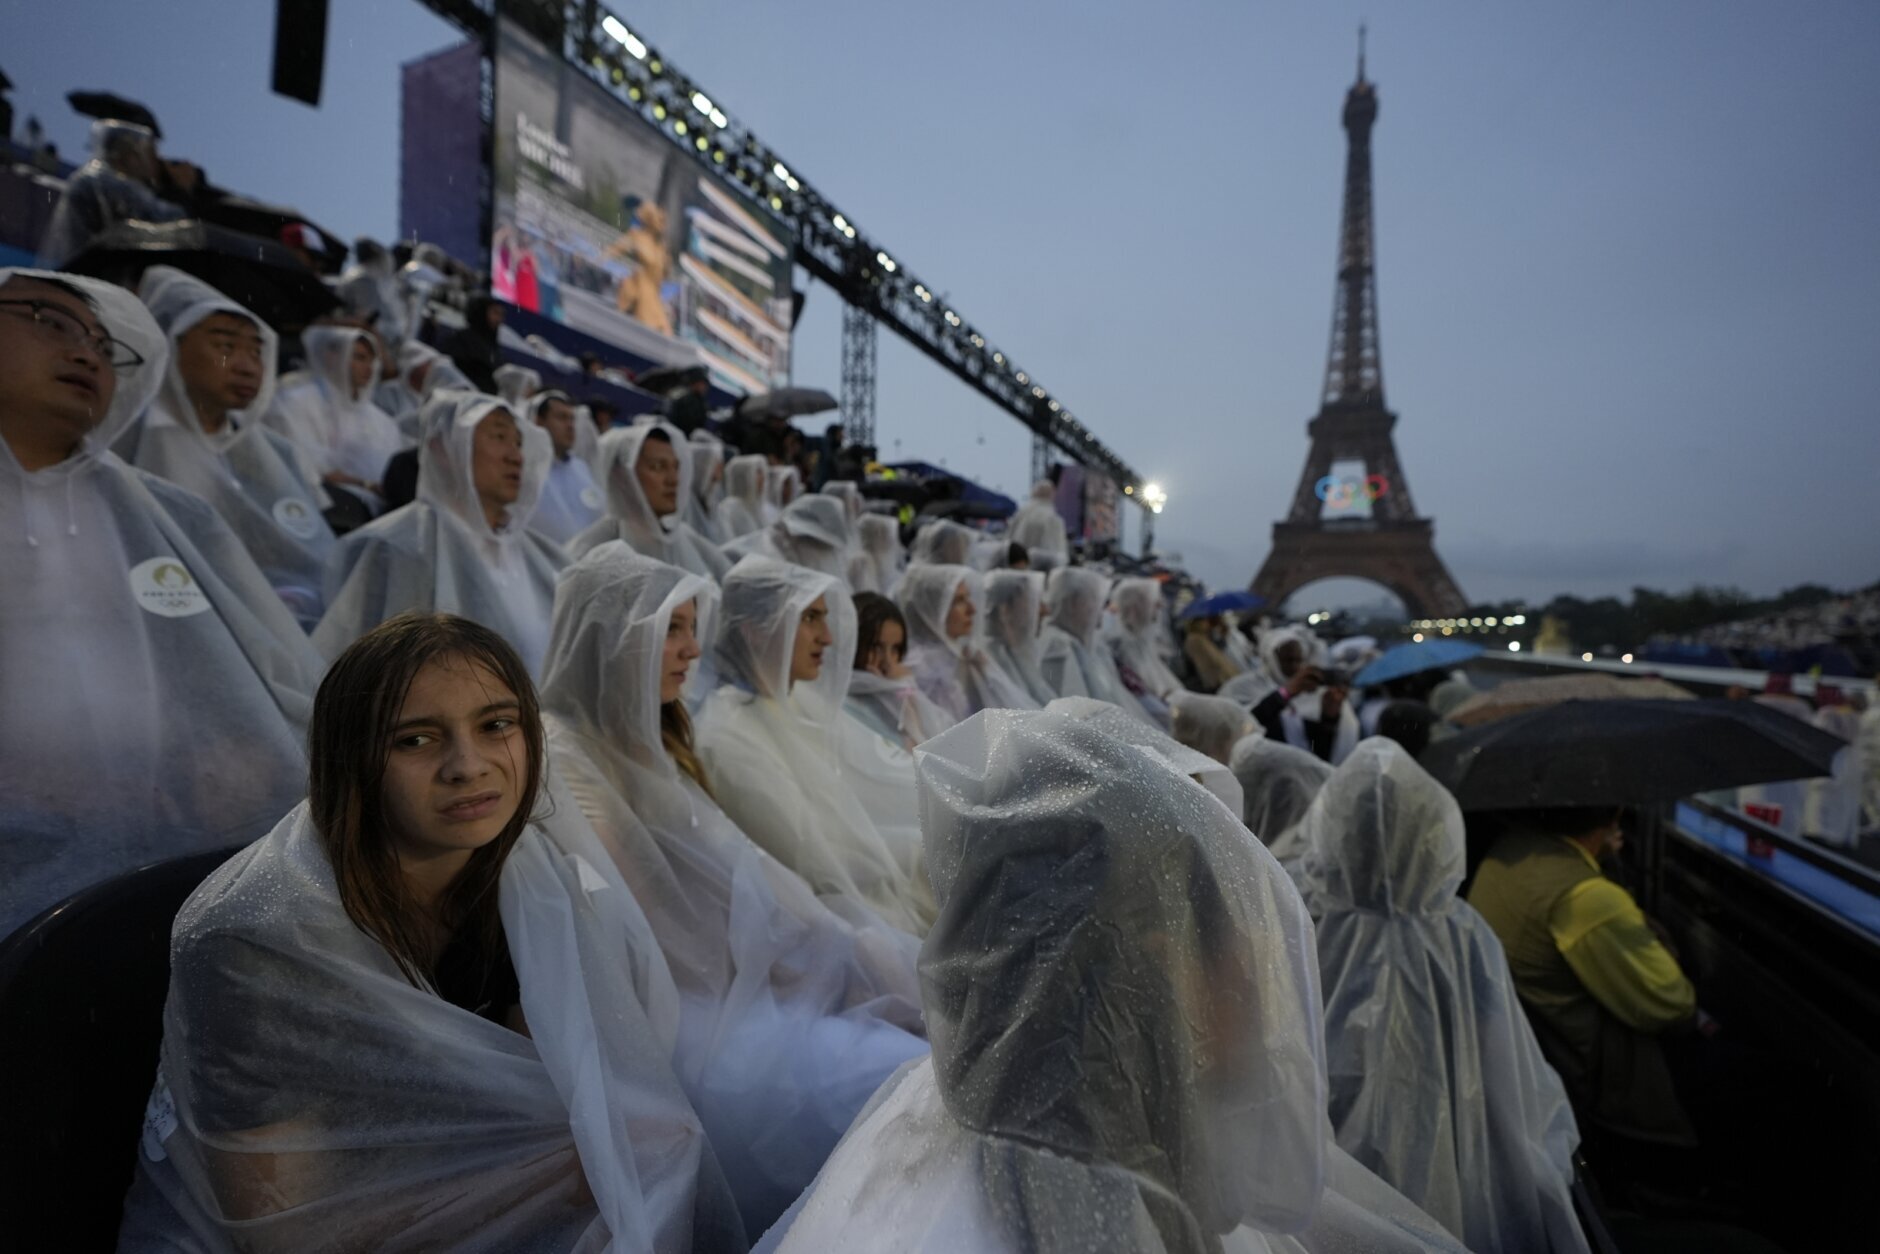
(608, 227)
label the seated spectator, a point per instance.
(646, 472)
(1038, 526)
(328, 413)
(1141, 618)
(1598, 982)
(115, 186)
(1075, 663)
(159, 688)
(463, 546)
(422, 372)
(516, 384)
(952, 666)
(1125, 1024)
(782, 484)
(1278, 784)
(424, 1010)
(789, 1016)
(1202, 641)
(883, 693)
(473, 345)
(1437, 1082)
(811, 531)
(742, 509)
(849, 493)
(878, 538)
(772, 738)
(1309, 709)
(941, 542)
(1013, 627)
(203, 432)
(1210, 725)
(707, 454)
(571, 502)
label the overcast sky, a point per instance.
(1628, 269)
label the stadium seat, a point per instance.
(81, 997)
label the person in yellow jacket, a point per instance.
(1596, 977)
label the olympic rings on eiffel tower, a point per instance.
(1345, 493)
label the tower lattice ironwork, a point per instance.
(858, 376)
(1346, 521)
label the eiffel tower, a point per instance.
(1352, 514)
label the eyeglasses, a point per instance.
(66, 326)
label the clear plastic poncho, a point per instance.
(790, 1017)
(895, 709)
(1210, 725)
(1038, 526)
(811, 531)
(571, 500)
(1141, 616)
(630, 515)
(1123, 999)
(311, 1098)
(516, 384)
(1073, 660)
(251, 475)
(782, 484)
(878, 536)
(850, 494)
(958, 674)
(402, 400)
(159, 689)
(1013, 629)
(334, 428)
(1279, 784)
(1437, 1082)
(440, 553)
(943, 543)
(741, 511)
(707, 455)
(775, 750)
(97, 197)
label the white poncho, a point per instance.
(941, 542)
(959, 674)
(1013, 629)
(1038, 526)
(1123, 1000)
(1142, 617)
(1279, 784)
(159, 689)
(571, 500)
(741, 510)
(250, 474)
(1437, 1082)
(811, 531)
(334, 427)
(440, 553)
(311, 1098)
(1210, 725)
(790, 1016)
(630, 515)
(878, 537)
(1073, 660)
(707, 455)
(775, 749)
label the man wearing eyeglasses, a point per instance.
(156, 686)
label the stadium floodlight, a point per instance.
(1155, 498)
(1053, 406)
(886, 262)
(624, 37)
(1022, 377)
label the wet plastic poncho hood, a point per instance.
(742, 509)
(630, 515)
(957, 673)
(1279, 783)
(1012, 628)
(1211, 725)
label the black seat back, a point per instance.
(81, 1018)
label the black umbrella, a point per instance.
(786, 403)
(1587, 753)
(663, 379)
(259, 273)
(108, 105)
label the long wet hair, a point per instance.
(348, 742)
(675, 737)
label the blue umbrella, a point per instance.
(1408, 659)
(1222, 603)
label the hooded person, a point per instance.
(1038, 526)
(1831, 806)
(812, 531)
(571, 501)
(1123, 1000)
(1141, 619)
(1074, 661)
(1013, 626)
(463, 546)
(789, 1016)
(942, 542)
(707, 454)
(742, 509)
(473, 346)
(884, 695)
(1210, 725)
(1210, 664)
(422, 373)
(113, 186)
(850, 494)
(952, 665)
(389, 1026)
(160, 687)
(516, 384)
(327, 411)
(1437, 1081)
(646, 474)
(772, 739)
(369, 288)
(1301, 709)
(1278, 784)
(782, 484)
(203, 432)
(878, 538)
